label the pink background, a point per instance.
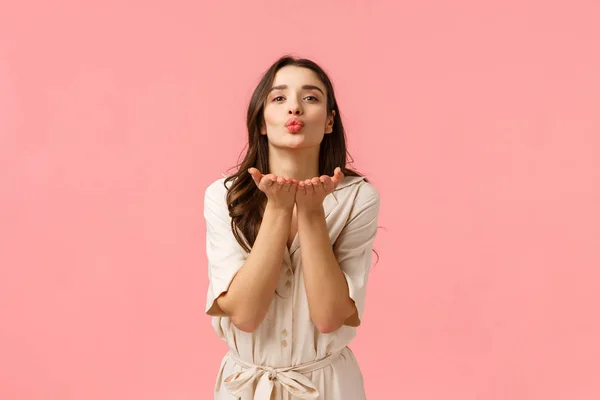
(479, 124)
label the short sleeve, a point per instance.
(224, 254)
(353, 248)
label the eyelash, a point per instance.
(275, 98)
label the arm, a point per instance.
(335, 301)
(326, 288)
(247, 297)
(253, 287)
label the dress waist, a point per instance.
(290, 378)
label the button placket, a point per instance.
(285, 289)
(285, 285)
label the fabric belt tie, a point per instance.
(290, 378)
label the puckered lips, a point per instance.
(294, 125)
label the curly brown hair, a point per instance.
(246, 203)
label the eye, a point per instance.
(280, 97)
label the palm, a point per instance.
(312, 192)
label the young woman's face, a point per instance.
(296, 92)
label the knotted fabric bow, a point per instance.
(290, 378)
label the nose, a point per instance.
(295, 109)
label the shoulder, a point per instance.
(216, 190)
(358, 190)
(215, 199)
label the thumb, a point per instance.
(256, 175)
(338, 176)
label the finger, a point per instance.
(301, 188)
(327, 183)
(308, 187)
(338, 176)
(255, 171)
(269, 179)
(280, 181)
(255, 174)
(317, 185)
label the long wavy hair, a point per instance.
(247, 203)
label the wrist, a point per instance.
(279, 209)
(311, 210)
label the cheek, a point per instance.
(319, 115)
(269, 116)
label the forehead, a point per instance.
(297, 76)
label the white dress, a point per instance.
(286, 357)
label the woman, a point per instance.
(289, 242)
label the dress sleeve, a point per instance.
(353, 248)
(225, 255)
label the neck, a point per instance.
(299, 164)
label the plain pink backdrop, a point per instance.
(477, 121)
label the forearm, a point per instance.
(251, 291)
(326, 286)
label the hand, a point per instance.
(312, 192)
(280, 191)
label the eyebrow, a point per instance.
(306, 87)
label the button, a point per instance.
(284, 343)
(288, 284)
(284, 332)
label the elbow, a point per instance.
(331, 322)
(327, 328)
(327, 325)
(245, 327)
(245, 323)
(240, 318)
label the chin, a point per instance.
(298, 140)
(298, 145)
